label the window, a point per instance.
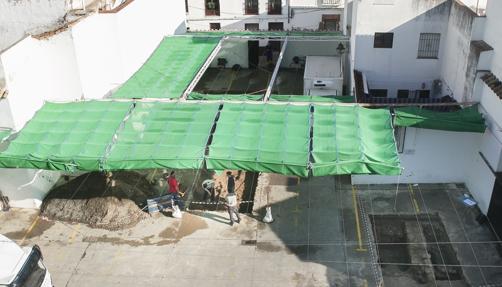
(275, 7)
(383, 40)
(252, 27)
(428, 46)
(403, 94)
(214, 26)
(212, 7)
(378, 93)
(186, 6)
(275, 26)
(424, 94)
(400, 135)
(251, 7)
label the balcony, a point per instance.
(329, 3)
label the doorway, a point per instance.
(253, 54)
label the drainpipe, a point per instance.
(289, 11)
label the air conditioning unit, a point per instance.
(323, 84)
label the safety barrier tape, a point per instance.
(217, 202)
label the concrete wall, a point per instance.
(432, 156)
(399, 67)
(308, 48)
(235, 51)
(39, 70)
(6, 119)
(26, 188)
(480, 179)
(20, 17)
(232, 15)
(459, 60)
(98, 55)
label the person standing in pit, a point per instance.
(232, 199)
(174, 189)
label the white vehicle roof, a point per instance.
(13, 258)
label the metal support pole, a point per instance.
(202, 70)
(276, 71)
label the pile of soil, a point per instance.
(101, 212)
(101, 201)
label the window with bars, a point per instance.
(275, 7)
(251, 7)
(212, 7)
(214, 26)
(252, 27)
(428, 45)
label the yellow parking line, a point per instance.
(414, 200)
(358, 224)
(33, 224)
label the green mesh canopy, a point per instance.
(259, 137)
(267, 33)
(163, 135)
(262, 138)
(170, 69)
(224, 97)
(313, 99)
(353, 140)
(464, 120)
(69, 136)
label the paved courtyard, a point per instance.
(326, 233)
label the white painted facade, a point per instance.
(88, 60)
(295, 14)
(437, 156)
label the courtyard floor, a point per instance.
(326, 232)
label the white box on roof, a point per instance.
(323, 75)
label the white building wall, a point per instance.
(235, 51)
(480, 179)
(19, 17)
(26, 188)
(232, 15)
(397, 68)
(432, 156)
(6, 119)
(39, 70)
(459, 59)
(97, 53)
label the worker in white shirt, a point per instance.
(232, 205)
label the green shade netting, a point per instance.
(224, 97)
(262, 138)
(313, 99)
(70, 136)
(464, 120)
(265, 33)
(170, 69)
(353, 140)
(163, 135)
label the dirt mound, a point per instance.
(100, 212)
(101, 201)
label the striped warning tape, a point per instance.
(217, 202)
